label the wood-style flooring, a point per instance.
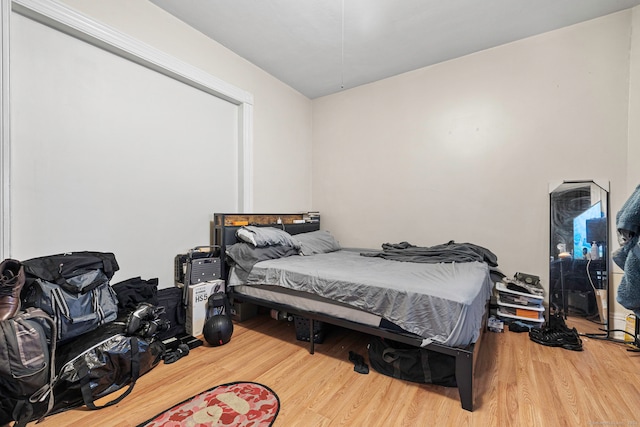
(517, 383)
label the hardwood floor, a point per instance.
(517, 383)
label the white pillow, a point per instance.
(246, 236)
(261, 237)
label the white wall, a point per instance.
(282, 116)
(465, 149)
(281, 146)
(99, 145)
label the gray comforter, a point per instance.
(443, 302)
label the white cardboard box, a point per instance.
(197, 297)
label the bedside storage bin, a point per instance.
(302, 329)
(509, 296)
(508, 318)
(241, 311)
(528, 311)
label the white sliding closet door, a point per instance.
(111, 156)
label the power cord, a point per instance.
(595, 294)
(589, 277)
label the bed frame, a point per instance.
(223, 229)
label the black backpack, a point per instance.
(27, 367)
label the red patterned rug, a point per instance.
(233, 404)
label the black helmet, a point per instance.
(217, 330)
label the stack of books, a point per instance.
(313, 216)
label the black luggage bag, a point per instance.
(27, 366)
(174, 312)
(410, 363)
(100, 363)
(88, 368)
(73, 288)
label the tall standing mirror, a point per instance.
(579, 244)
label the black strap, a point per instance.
(399, 358)
(22, 413)
(96, 283)
(135, 374)
(107, 267)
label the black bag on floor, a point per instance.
(73, 288)
(410, 363)
(97, 364)
(88, 368)
(101, 362)
(174, 312)
(27, 367)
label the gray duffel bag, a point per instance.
(73, 289)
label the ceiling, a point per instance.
(322, 47)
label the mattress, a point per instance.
(441, 302)
(308, 302)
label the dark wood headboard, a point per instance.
(224, 226)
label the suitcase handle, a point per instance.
(205, 254)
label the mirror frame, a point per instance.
(562, 260)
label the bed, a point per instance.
(440, 306)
